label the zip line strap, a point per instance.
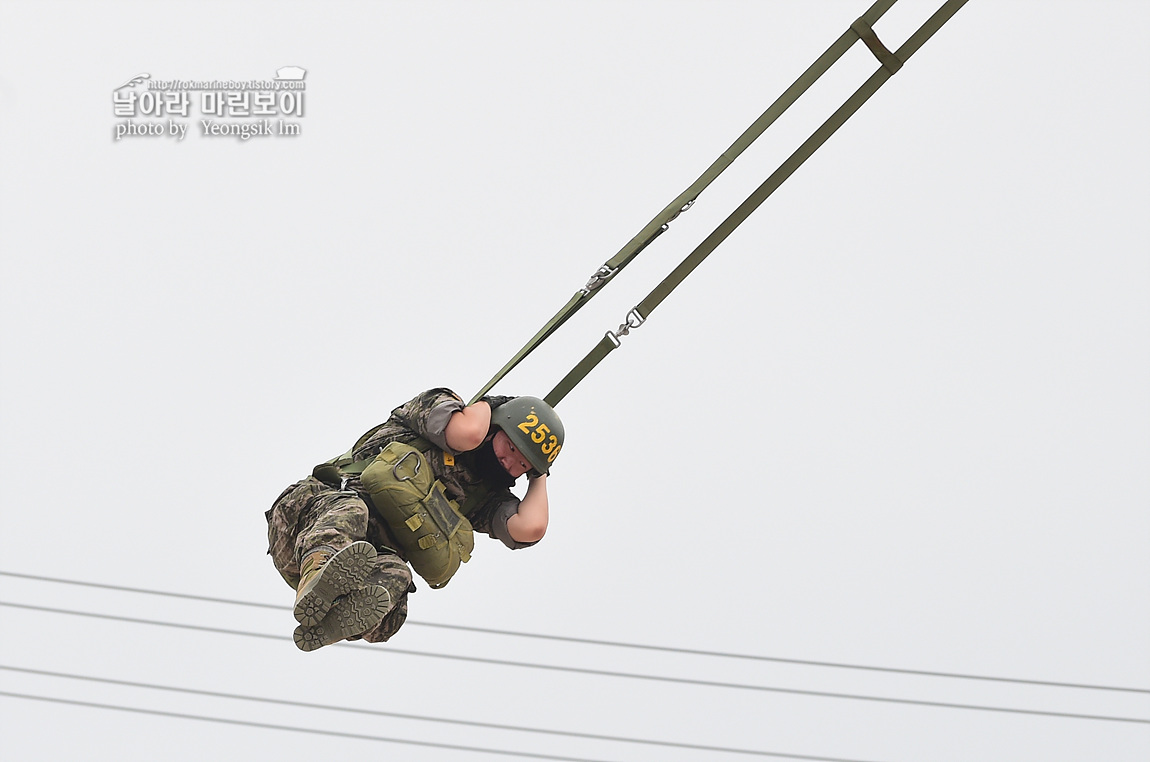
(644, 309)
(580, 371)
(684, 200)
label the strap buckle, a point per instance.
(667, 225)
(343, 488)
(634, 320)
(601, 276)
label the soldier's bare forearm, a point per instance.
(529, 524)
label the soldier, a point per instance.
(411, 490)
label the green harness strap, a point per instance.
(891, 63)
(660, 223)
(337, 471)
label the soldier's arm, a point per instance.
(529, 523)
(468, 427)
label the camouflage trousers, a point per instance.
(309, 515)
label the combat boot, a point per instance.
(325, 575)
(352, 614)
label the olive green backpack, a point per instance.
(432, 530)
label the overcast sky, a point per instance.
(899, 419)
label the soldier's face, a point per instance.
(508, 455)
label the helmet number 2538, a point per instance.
(548, 445)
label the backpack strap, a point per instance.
(337, 471)
(474, 500)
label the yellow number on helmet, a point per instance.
(527, 425)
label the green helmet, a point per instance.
(533, 427)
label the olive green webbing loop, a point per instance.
(661, 221)
(643, 310)
(867, 34)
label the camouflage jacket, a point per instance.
(425, 417)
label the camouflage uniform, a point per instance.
(312, 514)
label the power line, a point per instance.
(400, 715)
(122, 588)
(315, 731)
(597, 672)
(611, 643)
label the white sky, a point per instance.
(899, 418)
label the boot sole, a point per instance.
(343, 573)
(352, 614)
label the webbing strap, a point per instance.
(684, 200)
(346, 464)
(641, 312)
(333, 471)
(867, 34)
